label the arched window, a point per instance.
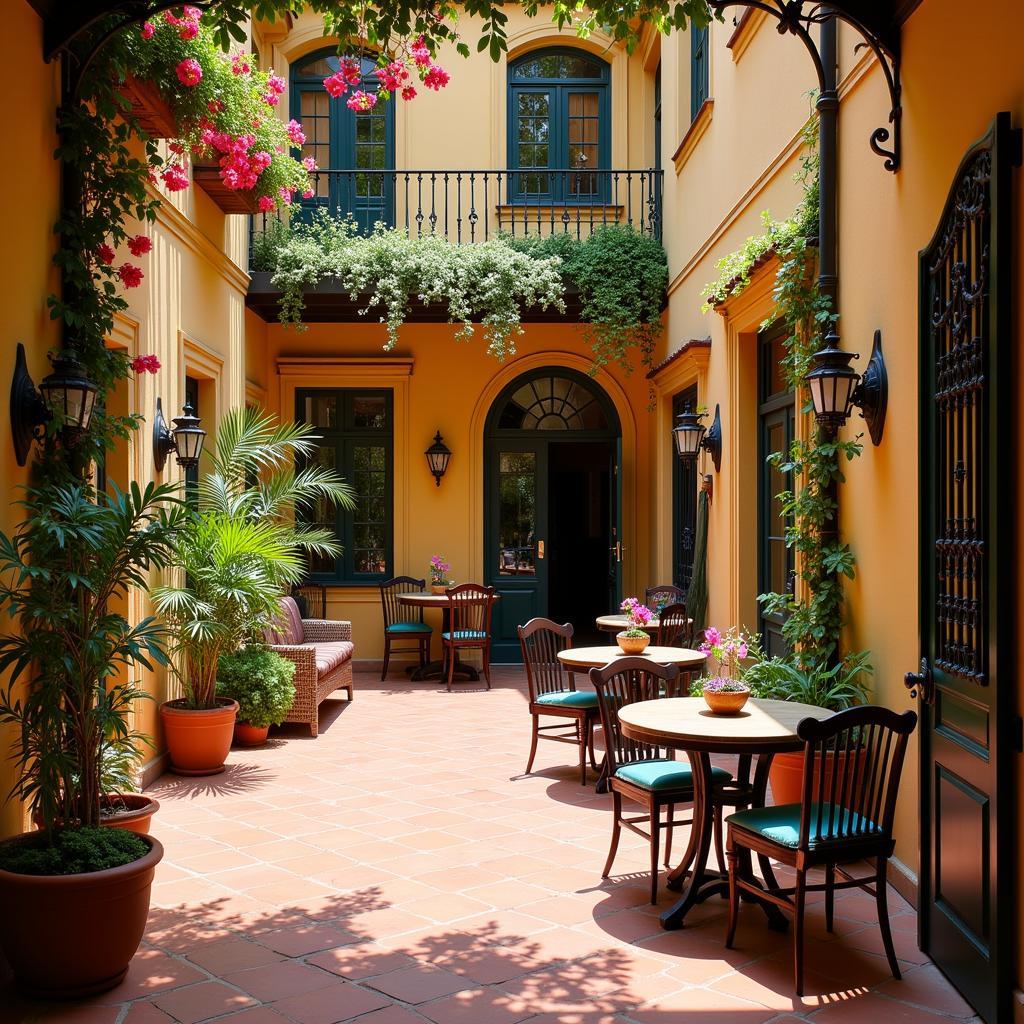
(551, 400)
(356, 151)
(558, 126)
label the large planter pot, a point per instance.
(786, 774)
(247, 735)
(632, 644)
(198, 741)
(130, 811)
(69, 936)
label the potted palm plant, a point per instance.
(241, 549)
(68, 696)
(260, 681)
(835, 687)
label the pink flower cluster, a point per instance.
(275, 87)
(240, 63)
(189, 72)
(638, 614)
(105, 254)
(175, 177)
(348, 74)
(145, 364)
(295, 133)
(728, 649)
(129, 275)
(439, 570)
(140, 245)
(361, 101)
(239, 168)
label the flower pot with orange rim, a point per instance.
(70, 936)
(725, 696)
(131, 811)
(248, 735)
(198, 741)
(786, 774)
(632, 643)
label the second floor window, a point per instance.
(357, 149)
(558, 127)
(698, 68)
(357, 440)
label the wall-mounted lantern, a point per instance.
(691, 436)
(185, 440)
(438, 456)
(66, 393)
(835, 386)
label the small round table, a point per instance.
(436, 669)
(762, 729)
(594, 657)
(617, 623)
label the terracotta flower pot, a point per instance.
(439, 588)
(68, 936)
(786, 774)
(726, 702)
(247, 735)
(632, 644)
(134, 812)
(198, 741)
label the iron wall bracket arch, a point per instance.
(798, 17)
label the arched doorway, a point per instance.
(551, 503)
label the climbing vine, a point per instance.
(812, 622)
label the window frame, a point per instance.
(344, 439)
(685, 480)
(700, 88)
(558, 90)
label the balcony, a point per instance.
(464, 206)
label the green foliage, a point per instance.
(72, 851)
(835, 686)
(62, 574)
(812, 625)
(261, 682)
(622, 276)
(242, 547)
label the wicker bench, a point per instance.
(321, 651)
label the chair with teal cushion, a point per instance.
(644, 773)
(402, 622)
(852, 767)
(469, 627)
(553, 692)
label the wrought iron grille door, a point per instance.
(966, 479)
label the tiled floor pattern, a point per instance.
(400, 870)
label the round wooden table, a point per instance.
(762, 729)
(436, 669)
(594, 657)
(617, 623)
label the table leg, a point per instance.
(438, 669)
(692, 874)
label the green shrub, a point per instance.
(72, 851)
(261, 682)
(835, 687)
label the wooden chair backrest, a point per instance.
(469, 608)
(664, 594)
(390, 606)
(628, 681)
(852, 767)
(541, 640)
(674, 627)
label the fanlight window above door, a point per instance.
(553, 403)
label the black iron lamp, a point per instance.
(185, 439)
(691, 435)
(66, 393)
(836, 387)
(438, 456)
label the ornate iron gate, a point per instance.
(968, 728)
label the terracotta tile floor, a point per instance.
(400, 870)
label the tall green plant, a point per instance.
(72, 558)
(244, 544)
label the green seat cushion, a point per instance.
(569, 699)
(465, 634)
(409, 627)
(781, 824)
(664, 774)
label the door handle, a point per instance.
(540, 549)
(616, 549)
(921, 683)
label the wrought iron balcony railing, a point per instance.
(473, 206)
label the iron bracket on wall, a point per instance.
(712, 442)
(792, 17)
(872, 393)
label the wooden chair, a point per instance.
(675, 628)
(469, 626)
(646, 774)
(553, 691)
(403, 622)
(663, 595)
(845, 815)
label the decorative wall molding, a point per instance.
(698, 126)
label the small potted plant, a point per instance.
(724, 693)
(261, 683)
(634, 638)
(439, 570)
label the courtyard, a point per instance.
(400, 868)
